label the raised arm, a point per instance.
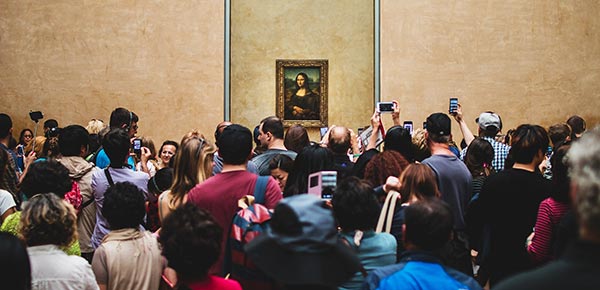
(464, 129)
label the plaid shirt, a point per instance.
(500, 153)
(10, 179)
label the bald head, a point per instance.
(220, 129)
(339, 140)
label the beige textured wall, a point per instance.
(77, 60)
(533, 61)
(265, 30)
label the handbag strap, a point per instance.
(108, 177)
(387, 212)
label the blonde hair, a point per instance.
(192, 165)
(48, 220)
(94, 126)
(39, 146)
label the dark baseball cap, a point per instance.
(439, 124)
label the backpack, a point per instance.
(248, 223)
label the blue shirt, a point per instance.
(419, 270)
(102, 160)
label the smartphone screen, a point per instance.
(385, 107)
(137, 146)
(323, 131)
(409, 126)
(453, 105)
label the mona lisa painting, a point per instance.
(302, 92)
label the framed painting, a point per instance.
(302, 92)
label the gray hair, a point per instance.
(584, 158)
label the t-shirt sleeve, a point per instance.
(540, 247)
(6, 201)
(90, 281)
(273, 194)
(99, 266)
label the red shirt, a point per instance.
(219, 195)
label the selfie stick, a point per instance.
(37, 122)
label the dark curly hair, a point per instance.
(124, 206)
(48, 220)
(383, 165)
(354, 205)
(191, 241)
(44, 177)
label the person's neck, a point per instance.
(231, 167)
(440, 149)
(527, 167)
(5, 141)
(277, 144)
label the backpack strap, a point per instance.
(108, 177)
(86, 203)
(260, 188)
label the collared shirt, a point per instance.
(500, 153)
(99, 187)
(51, 268)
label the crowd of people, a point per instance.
(85, 208)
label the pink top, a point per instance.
(549, 215)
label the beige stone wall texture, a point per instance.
(263, 31)
(77, 60)
(533, 61)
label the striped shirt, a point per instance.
(549, 215)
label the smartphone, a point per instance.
(137, 146)
(408, 125)
(549, 152)
(385, 107)
(36, 115)
(324, 131)
(322, 184)
(453, 106)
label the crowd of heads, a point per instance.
(190, 237)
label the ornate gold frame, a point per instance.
(281, 66)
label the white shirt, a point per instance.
(51, 268)
(6, 201)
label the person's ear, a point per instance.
(269, 136)
(404, 233)
(83, 150)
